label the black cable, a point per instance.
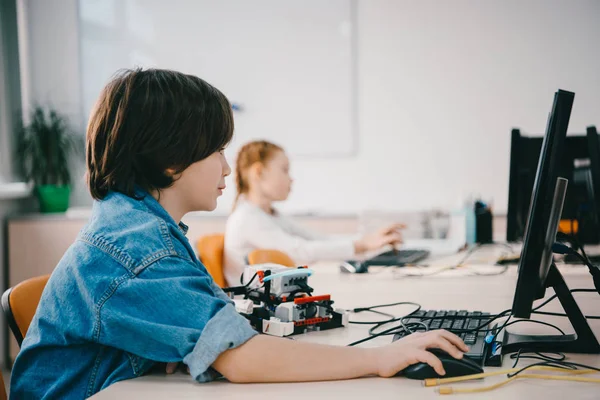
(544, 363)
(533, 321)
(404, 325)
(555, 296)
(561, 248)
(520, 355)
(382, 313)
(553, 363)
(581, 365)
(564, 315)
(373, 336)
(392, 317)
(400, 303)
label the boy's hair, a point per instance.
(259, 151)
(148, 121)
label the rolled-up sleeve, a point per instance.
(172, 312)
(226, 330)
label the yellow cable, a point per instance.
(451, 390)
(443, 381)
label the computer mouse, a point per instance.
(452, 366)
(354, 267)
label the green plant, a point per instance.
(44, 147)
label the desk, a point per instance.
(450, 290)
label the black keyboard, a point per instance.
(457, 322)
(398, 258)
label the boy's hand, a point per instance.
(412, 349)
(172, 367)
(389, 235)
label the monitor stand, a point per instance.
(582, 341)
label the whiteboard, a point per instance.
(287, 65)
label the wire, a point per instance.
(392, 318)
(442, 381)
(535, 310)
(451, 390)
(461, 263)
(538, 356)
(556, 364)
(555, 296)
(533, 321)
(549, 363)
(564, 315)
(387, 331)
(405, 326)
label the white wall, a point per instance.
(440, 85)
(53, 67)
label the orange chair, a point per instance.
(20, 302)
(210, 252)
(270, 256)
(3, 395)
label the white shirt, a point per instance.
(249, 228)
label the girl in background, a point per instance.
(262, 178)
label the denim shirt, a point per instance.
(129, 293)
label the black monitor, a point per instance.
(537, 270)
(594, 189)
(577, 210)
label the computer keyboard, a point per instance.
(398, 257)
(458, 321)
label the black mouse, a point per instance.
(452, 366)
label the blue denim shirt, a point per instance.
(127, 294)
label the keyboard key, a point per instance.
(470, 339)
(447, 324)
(473, 323)
(435, 324)
(458, 324)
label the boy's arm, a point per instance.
(269, 359)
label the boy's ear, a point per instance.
(171, 172)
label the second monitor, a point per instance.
(577, 164)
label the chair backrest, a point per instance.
(263, 256)
(20, 303)
(210, 252)
(3, 395)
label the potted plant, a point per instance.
(44, 151)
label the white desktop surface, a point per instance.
(454, 289)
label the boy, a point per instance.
(129, 293)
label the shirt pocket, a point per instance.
(140, 365)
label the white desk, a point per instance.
(449, 290)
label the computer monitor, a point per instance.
(576, 215)
(594, 190)
(537, 270)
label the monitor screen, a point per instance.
(534, 256)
